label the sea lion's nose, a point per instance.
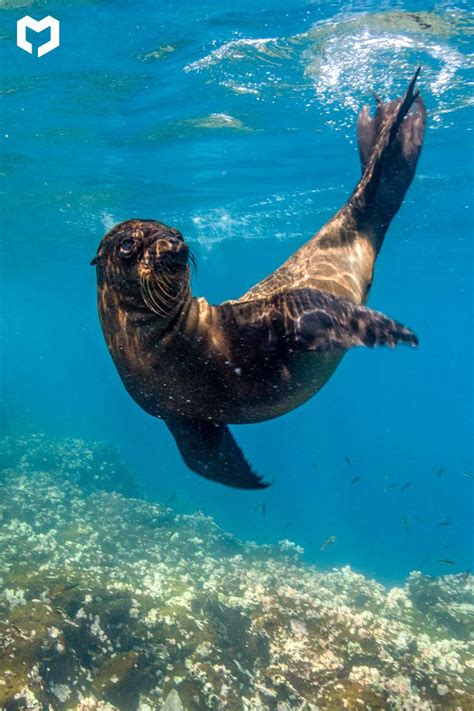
(166, 244)
(169, 246)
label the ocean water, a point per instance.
(237, 125)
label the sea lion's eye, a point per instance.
(126, 246)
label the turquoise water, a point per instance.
(126, 581)
(237, 126)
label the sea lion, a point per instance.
(200, 367)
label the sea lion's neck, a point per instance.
(200, 330)
(126, 319)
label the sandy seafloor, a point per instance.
(110, 602)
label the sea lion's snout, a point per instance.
(169, 250)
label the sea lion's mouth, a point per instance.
(163, 267)
(175, 262)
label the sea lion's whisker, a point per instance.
(145, 296)
(167, 274)
(167, 301)
(193, 260)
(147, 278)
(174, 298)
(159, 286)
(149, 298)
(158, 298)
(154, 305)
(160, 304)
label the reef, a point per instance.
(111, 602)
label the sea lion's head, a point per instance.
(146, 264)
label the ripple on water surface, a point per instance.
(342, 57)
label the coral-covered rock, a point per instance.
(115, 604)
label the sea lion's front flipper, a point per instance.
(308, 319)
(210, 450)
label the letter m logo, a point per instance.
(37, 26)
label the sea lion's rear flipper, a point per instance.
(389, 147)
(312, 320)
(210, 450)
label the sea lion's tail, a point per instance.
(389, 146)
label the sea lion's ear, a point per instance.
(211, 451)
(97, 258)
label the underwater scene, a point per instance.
(203, 504)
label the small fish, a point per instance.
(66, 588)
(328, 542)
(393, 486)
(447, 561)
(347, 461)
(172, 497)
(405, 523)
(440, 472)
(315, 467)
(446, 522)
(262, 508)
(355, 480)
(469, 476)
(286, 525)
(405, 486)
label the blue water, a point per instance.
(237, 126)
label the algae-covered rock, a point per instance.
(446, 602)
(32, 650)
(120, 678)
(172, 702)
(93, 467)
(117, 604)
